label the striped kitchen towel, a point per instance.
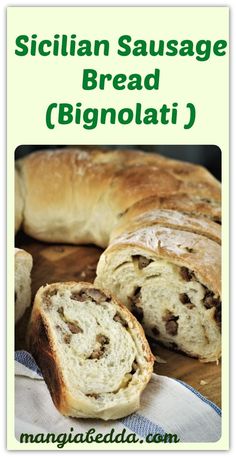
(168, 406)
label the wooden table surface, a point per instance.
(54, 263)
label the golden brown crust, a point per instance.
(40, 344)
(188, 204)
(43, 353)
(168, 218)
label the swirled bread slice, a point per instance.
(93, 353)
(170, 280)
(23, 266)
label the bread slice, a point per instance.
(23, 266)
(92, 352)
(187, 203)
(170, 280)
(168, 218)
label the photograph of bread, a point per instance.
(126, 252)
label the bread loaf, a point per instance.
(23, 266)
(18, 201)
(170, 280)
(77, 195)
(92, 351)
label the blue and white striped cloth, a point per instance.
(167, 406)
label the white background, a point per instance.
(3, 259)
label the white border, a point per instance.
(4, 4)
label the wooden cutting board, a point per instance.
(54, 263)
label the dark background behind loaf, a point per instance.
(207, 155)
